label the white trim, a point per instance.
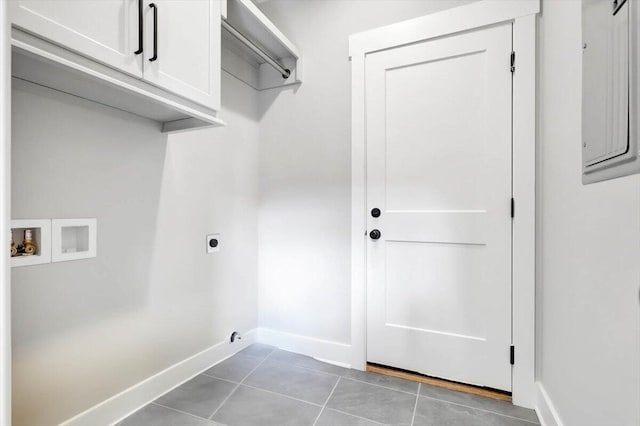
(5, 216)
(324, 350)
(523, 15)
(524, 222)
(137, 396)
(447, 22)
(358, 216)
(545, 409)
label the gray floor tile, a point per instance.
(306, 362)
(431, 412)
(235, 368)
(257, 350)
(373, 402)
(476, 401)
(252, 407)
(382, 380)
(300, 383)
(335, 418)
(201, 395)
(154, 415)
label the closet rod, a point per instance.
(237, 34)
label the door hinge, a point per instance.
(512, 354)
(513, 208)
(513, 62)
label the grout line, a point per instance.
(479, 409)
(380, 386)
(348, 378)
(281, 394)
(223, 402)
(318, 416)
(237, 386)
(415, 407)
(332, 391)
(179, 411)
(218, 378)
(358, 417)
(327, 401)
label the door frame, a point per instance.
(5, 214)
(522, 14)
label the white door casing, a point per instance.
(105, 30)
(188, 49)
(439, 169)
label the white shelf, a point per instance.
(47, 64)
(245, 16)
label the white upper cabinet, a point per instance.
(182, 48)
(104, 30)
(156, 58)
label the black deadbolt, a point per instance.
(375, 212)
(213, 243)
(375, 234)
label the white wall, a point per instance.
(588, 248)
(588, 236)
(305, 167)
(86, 330)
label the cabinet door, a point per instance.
(104, 30)
(187, 48)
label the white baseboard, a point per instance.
(324, 350)
(137, 396)
(545, 409)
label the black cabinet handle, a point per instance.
(155, 32)
(140, 29)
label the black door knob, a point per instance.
(375, 234)
(375, 212)
(213, 243)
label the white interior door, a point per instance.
(105, 30)
(186, 56)
(439, 169)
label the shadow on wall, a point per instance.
(73, 158)
(152, 297)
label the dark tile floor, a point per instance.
(264, 386)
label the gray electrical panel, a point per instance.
(609, 89)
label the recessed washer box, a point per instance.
(73, 239)
(610, 113)
(41, 234)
